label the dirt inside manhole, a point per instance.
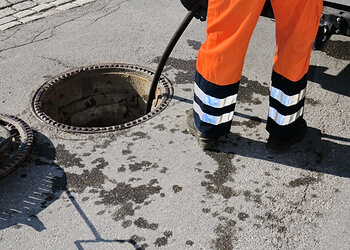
(100, 98)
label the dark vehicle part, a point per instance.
(335, 20)
(16, 143)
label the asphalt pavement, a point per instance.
(150, 186)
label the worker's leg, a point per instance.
(220, 62)
(297, 23)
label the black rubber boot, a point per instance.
(204, 142)
(278, 144)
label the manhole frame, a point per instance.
(26, 139)
(164, 83)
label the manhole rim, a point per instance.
(164, 83)
(25, 148)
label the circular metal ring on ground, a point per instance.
(16, 146)
(100, 98)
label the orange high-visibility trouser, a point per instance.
(230, 24)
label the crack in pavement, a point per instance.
(59, 62)
(118, 6)
(52, 29)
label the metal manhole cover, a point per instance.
(16, 143)
(100, 98)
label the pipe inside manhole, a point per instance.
(100, 98)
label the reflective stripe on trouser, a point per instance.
(230, 24)
(286, 105)
(213, 106)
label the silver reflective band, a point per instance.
(283, 120)
(287, 100)
(212, 119)
(213, 101)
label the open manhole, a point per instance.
(16, 143)
(100, 98)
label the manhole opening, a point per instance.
(100, 98)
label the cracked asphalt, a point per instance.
(150, 186)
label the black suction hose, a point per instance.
(166, 54)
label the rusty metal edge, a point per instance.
(36, 103)
(25, 148)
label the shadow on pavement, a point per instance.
(32, 187)
(318, 152)
(338, 84)
(98, 239)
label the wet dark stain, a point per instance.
(177, 188)
(186, 69)
(194, 44)
(126, 223)
(251, 123)
(144, 165)
(273, 222)
(303, 181)
(252, 197)
(126, 152)
(102, 163)
(101, 212)
(281, 229)
(160, 127)
(215, 214)
(121, 169)
(247, 88)
(311, 101)
(125, 210)
(142, 223)
(221, 175)
(189, 242)
(206, 210)
(173, 130)
(163, 170)
(163, 241)
(23, 175)
(79, 182)
(137, 239)
(243, 216)
(160, 242)
(229, 210)
(124, 193)
(187, 89)
(225, 235)
(106, 143)
(338, 49)
(17, 226)
(140, 135)
(66, 159)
